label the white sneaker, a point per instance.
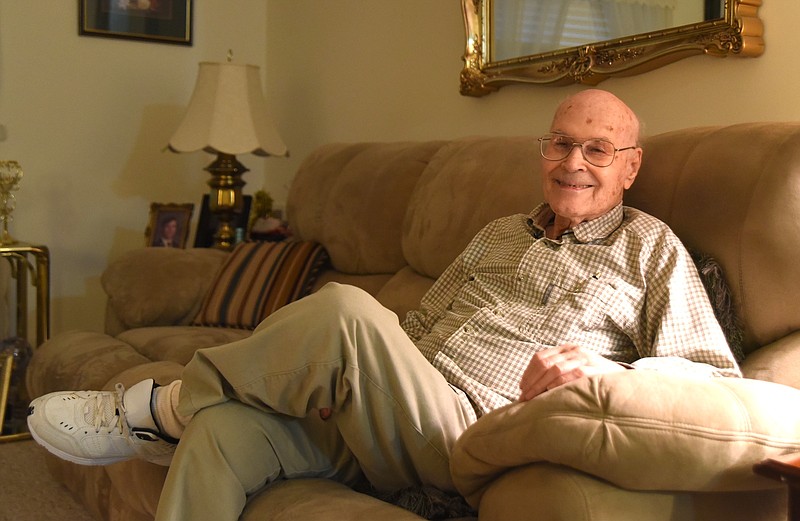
(100, 427)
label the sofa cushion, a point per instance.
(352, 197)
(404, 291)
(79, 360)
(319, 499)
(178, 343)
(555, 492)
(468, 183)
(640, 430)
(159, 286)
(257, 278)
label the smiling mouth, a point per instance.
(571, 186)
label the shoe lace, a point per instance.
(104, 411)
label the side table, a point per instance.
(34, 260)
(785, 469)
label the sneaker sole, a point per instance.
(89, 462)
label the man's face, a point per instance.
(170, 229)
(576, 190)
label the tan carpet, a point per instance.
(27, 492)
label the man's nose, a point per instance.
(575, 159)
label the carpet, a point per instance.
(28, 493)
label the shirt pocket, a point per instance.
(585, 305)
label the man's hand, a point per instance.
(558, 365)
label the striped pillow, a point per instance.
(257, 278)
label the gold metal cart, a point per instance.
(30, 264)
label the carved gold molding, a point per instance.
(739, 33)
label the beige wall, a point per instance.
(383, 70)
(88, 117)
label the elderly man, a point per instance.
(333, 386)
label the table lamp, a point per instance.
(227, 116)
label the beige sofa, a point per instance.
(637, 446)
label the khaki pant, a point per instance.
(395, 418)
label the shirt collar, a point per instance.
(588, 231)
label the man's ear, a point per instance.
(633, 167)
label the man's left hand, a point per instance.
(558, 365)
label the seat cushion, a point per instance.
(319, 499)
(178, 343)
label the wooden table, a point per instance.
(786, 469)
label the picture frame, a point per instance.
(162, 21)
(207, 223)
(169, 225)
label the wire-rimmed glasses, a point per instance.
(597, 151)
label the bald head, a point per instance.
(576, 189)
(599, 106)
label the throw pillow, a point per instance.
(719, 294)
(257, 278)
(640, 430)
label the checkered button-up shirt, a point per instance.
(622, 285)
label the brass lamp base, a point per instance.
(225, 200)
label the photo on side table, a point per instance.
(169, 225)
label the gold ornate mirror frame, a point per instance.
(739, 32)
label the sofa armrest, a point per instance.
(776, 362)
(640, 430)
(158, 286)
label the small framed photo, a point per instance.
(207, 223)
(164, 21)
(169, 225)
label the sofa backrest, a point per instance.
(468, 183)
(406, 210)
(353, 197)
(734, 193)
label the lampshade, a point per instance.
(227, 114)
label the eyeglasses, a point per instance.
(597, 151)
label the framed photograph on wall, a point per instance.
(169, 225)
(207, 223)
(164, 21)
